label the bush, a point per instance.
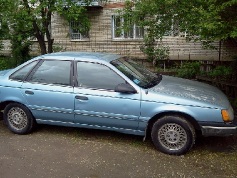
(189, 70)
(220, 71)
(6, 63)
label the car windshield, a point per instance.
(137, 73)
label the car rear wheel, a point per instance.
(173, 135)
(18, 118)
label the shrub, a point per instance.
(6, 63)
(189, 70)
(220, 71)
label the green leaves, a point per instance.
(203, 20)
(27, 19)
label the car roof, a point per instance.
(92, 56)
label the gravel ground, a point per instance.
(70, 152)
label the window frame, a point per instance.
(82, 37)
(33, 71)
(123, 33)
(27, 74)
(90, 88)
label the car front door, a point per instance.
(49, 92)
(96, 102)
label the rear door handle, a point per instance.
(81, 98)
(29, 92)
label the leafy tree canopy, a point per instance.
(207, 20)
(24, 19)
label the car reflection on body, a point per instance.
(111, 92)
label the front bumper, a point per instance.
(219, 129)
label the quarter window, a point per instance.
(52, 72)
(97, 76)
(22, 73)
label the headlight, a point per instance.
(226, 116)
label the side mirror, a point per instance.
(125, 88)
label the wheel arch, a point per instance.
(5, 103)
(187, 117)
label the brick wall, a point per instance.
(101, 39)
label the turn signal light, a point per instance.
(225, 116)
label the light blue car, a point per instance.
(111, 92)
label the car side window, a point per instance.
(52, 72)
(21, 74)
(97, 76)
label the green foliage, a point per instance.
(6, 63)
(154, 51)
(189, 70)
(221, 71)
(152, 45)
(29, 19)
(20, 49)
(202, 20)
(72, 12)
(58, 48)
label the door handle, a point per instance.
(29, 92)
(81, 98)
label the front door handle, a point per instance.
(81, 98)
(29, 92)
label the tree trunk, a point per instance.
(40, 38)
(42, 45)
(50, 45)
(38, 34)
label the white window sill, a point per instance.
(80, 40)
(127, 39)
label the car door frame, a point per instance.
(134, 118)
(46, 114)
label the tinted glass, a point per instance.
(21, 73)
(52, 72)
(97, 76)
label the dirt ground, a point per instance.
(61, 152)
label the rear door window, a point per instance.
(52, 72)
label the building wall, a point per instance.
(101, 39)
(100, 35)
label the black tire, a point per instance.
(173, 135)
(18, 118)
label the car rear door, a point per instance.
(96, 102)
(49, 92)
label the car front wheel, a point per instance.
(18, 118)
(173, 135)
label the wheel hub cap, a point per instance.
(172, 136)
(17, 118)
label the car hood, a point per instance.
(3, 72)
(188, 92)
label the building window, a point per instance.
(132, 32)
(174, 28)
(77, 32)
